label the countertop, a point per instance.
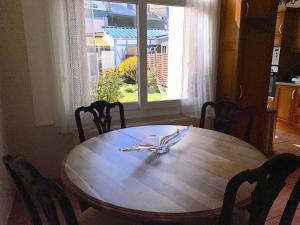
(288, 84)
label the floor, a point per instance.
(287, 140)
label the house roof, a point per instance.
(131, 32)
(121, 9)
(99, 42)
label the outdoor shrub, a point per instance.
(152, 84)
(129, 90)
(109, 86)
(128, 69)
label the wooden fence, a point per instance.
(159, 63)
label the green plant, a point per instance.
(152, 84)
(129, 90)
(128, 69)
(109, 86)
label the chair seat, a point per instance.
(92, 216)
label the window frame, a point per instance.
(142, 106)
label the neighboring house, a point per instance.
(115, 24)
(125, 41)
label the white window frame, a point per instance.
(143, 106)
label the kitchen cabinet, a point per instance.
(284, 103)
(279, 28)
(245, 55)
(288, 57)
(287, 103)
(296, 110)
(296, 31)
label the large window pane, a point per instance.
(111, 37)
(164, 51)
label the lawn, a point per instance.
(130, 94)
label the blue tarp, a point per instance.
(131, 32)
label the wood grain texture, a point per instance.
(188, 182)
(250, 24)
(284, 103)
(279, 28)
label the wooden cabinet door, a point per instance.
(227, 87)
(255, 57)
(296, 31)
(245, 57)
(284, 103)
(288, 57)
(279, 28)
(296, 108)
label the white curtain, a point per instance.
(200, 47)
(69, 60)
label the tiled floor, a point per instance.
(287, 140)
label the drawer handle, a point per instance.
(293, 94)
(280, 28)
(241, 91)
(247, 8)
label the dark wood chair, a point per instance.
(269, 180)
(42, 195)
(225, 116)
(101, 111)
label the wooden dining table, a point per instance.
(185, 184)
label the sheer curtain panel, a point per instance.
(200, 47)
(69, 60)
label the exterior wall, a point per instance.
(108, 60)
(94, 25)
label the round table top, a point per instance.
(189, 180)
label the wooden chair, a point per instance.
(38, 190)
(225, 116)
(269, 180)
(102, 118)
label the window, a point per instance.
(133, 51)
(164, 35)
(110, 27)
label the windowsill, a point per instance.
(155, 120)
(173, 119)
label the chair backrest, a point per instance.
(39, 192)
(101, 116)
(225, 115)
(269, 180)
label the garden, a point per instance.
(120, 84)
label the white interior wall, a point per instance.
(42, 145)
(6, 190)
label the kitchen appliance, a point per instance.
(273, 80)
(276, 56)
(274, 71)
